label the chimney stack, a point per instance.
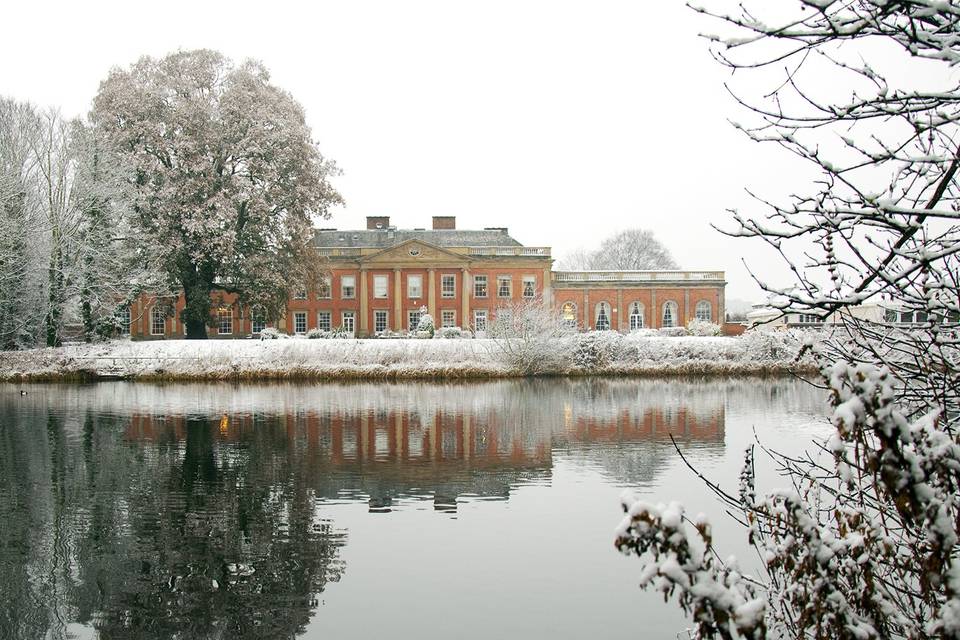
(444, 222)
(378, 222)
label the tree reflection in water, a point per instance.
(195, 511)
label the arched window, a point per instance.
(704, 311)
(670, 314)
(568, 312)
(603, 317)
(636, 316)
(158, 321)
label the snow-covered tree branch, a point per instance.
(864, 542)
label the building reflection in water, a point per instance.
(194, 511)
(450, 442)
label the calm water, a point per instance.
(355, 511)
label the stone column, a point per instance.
(721, 311)
(686, 307)
(619, 310)
(586, 310)
(547, 288)
(363, 329)
(655, 316)
(432, 295)
(465, 319)
(397, 302)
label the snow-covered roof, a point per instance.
(384, 238)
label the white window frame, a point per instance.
(571, 321)
(411, 323)
(158, 317)
(124, 317)
(324, 320)
(700, 314)
(448, 318)
(451, 291)
(348, 287)
(603, 317)
(297, 315)
(501, 279)
(674, 309)
(381, 285)
(636, 310)
(225, 321)
(532, 291)
(325, 288)
(351, 326)
(414, 286)
(377, 315)
(480, 286)
(300, 294)
(257, 317)
(480, 318)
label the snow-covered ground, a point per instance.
(607, 353)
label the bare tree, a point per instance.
(865, 542)
(631, 249)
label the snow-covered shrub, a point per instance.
(271, 333)
(318, 334)
(426, 325)
(531, 337)
(673, 332)
(702, 328)
(340, 333)
(644, 333)
(451, 333)
(596, 349)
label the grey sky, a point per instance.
(564, 121)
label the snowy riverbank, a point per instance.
(584, 354)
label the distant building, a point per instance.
(379, 279)
(768, 318)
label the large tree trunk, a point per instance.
(197, 285)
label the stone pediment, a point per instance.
(415, 253)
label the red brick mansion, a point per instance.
(379, 279)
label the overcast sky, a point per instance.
(564, 121)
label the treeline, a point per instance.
(69, 259)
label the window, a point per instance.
(810, 318)
(323, 320)
(504, 286)
(670, 314)
(123, 316)
(636, 316)
(348, 287)
(158, 321)
(324, 287)
(569, 314)
(379, 286)
(414, 286)
(704, 311)
(413, 319)
(348, 323)
(380, 323)
(258, 320)
(479, 286)
(529, 286)
(480, 320)
(603, 317)
(448, 286)
(300, 322)
(300, 294)
(224, 321)
(448, 318)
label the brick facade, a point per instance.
(378, 277)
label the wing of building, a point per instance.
(381, 279)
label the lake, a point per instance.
(427, 510)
